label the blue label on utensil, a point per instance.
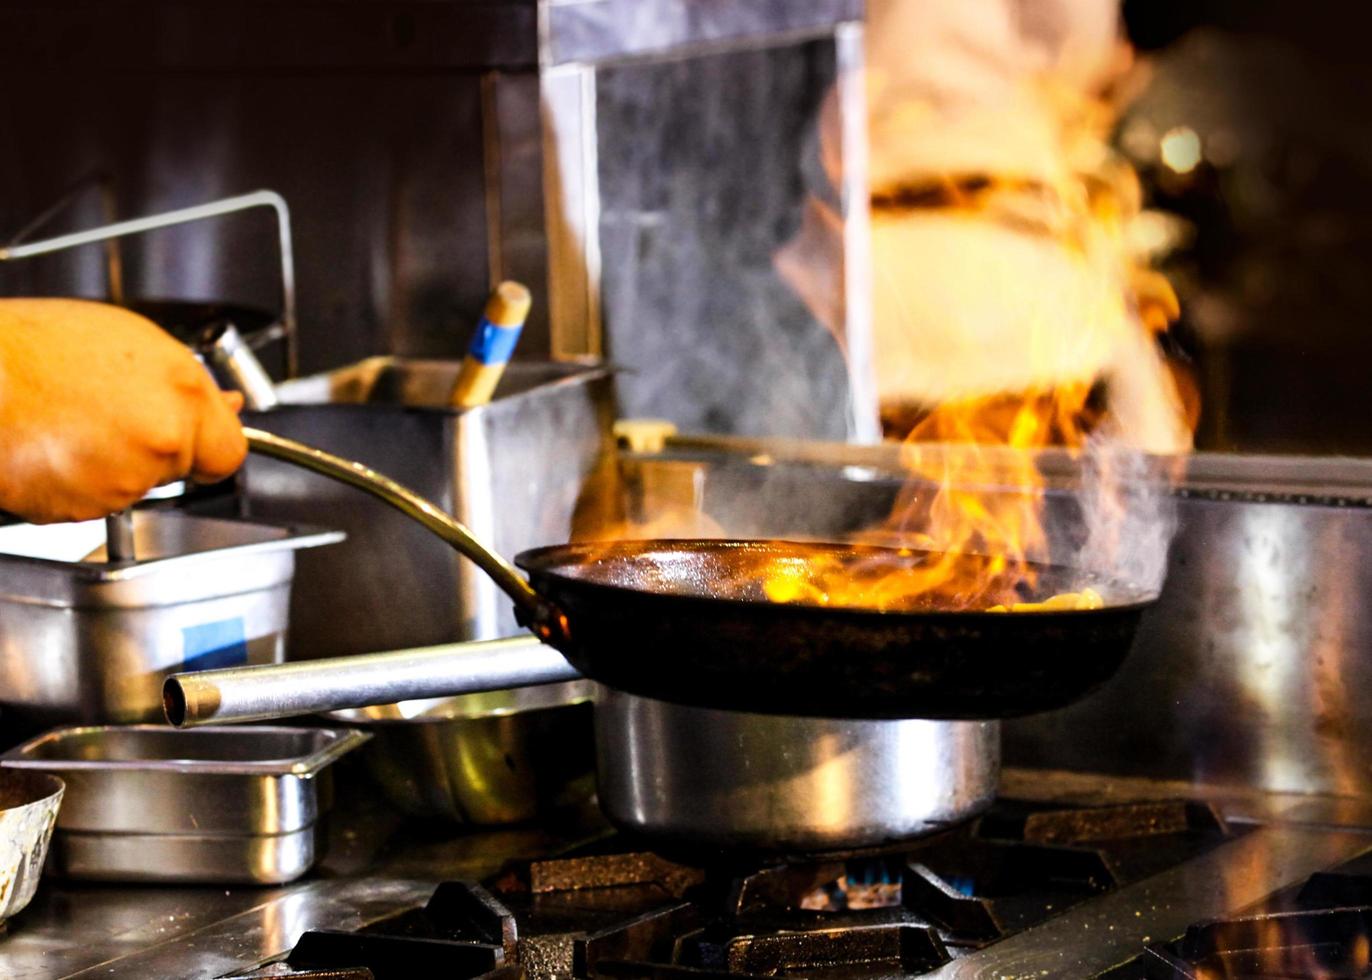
(211, 645)
(493, 344)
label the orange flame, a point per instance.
(1046, 322)
(1012, 317)
(968, 514)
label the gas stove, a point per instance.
(611, 910)
(1066, 875)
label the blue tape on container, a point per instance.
(212, 645)
(493, 344)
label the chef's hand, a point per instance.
(98, 406)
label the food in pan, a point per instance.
(1085, 599)
(903, 580)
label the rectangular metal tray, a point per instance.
(222, 805)
(147, 779)
(229, 859)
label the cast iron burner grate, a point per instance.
(899, 912)
(1321, 930)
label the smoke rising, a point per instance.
(1128, 513)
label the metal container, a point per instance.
(224, 805)
(697, 776)
(262, 859)
(494, 758)
(511, 470)
(29, 803)
(85, 640)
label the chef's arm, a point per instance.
(98, 406)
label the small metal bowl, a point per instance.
(496, 758)
(28, 812)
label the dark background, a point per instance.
(1275, 283)
(368, 117)
(364, 115)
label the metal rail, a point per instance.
(286, 330)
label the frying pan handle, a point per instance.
(534, 611)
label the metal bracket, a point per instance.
(284, 330)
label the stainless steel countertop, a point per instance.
(87, 930)
(378, 864)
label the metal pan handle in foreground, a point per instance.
(310, 687)
(538, 614)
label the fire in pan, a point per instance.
(692, 622)
(700, 622)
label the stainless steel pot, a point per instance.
(690, 774)
(732, 779)
(491, 758)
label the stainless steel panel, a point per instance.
(511, 471)
(83, 640)
(145, 779)
(571, 193)
(591, 30)
(734, 779)
(854, 199)
(695, 206)
(1251, 668)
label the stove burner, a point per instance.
(1134, 839)
(989, 890)
(838, 950)
(1119, 822)
(863, 885)
(901, 912)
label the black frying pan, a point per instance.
(650, 618)
(687, 621)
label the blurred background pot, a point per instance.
(493, 758)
